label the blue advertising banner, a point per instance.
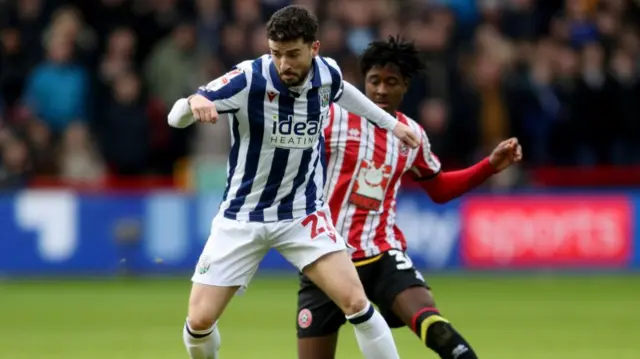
(58, 232)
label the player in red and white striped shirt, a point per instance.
(364, 168)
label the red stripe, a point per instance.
(361, 215)
(414, 320)
(381, 234)
(347, 170)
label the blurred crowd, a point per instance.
(85, 85)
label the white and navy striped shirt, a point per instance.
(276, 169)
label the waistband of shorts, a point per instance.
(364, 261)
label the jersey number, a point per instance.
(403, 262)
(319, 225)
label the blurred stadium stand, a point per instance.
(85, 86)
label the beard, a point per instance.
(293, 79)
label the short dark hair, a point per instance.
(394, 51)
(291, 23)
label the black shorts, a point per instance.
(383, 279)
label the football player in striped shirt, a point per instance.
(276, 173)
(365, 165)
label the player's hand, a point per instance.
(505, 154)
(203, 110)
(406, 135)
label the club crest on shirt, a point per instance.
(324, 94)
(404, 149)
(370, 185)
(353, 134)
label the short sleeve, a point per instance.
(337, 82)
(426, 165)
(229, 91)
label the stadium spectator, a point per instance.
(125, 119)
(78, 158)
(13, 65)
(56, 90)
(208, 24)
(171, 65)
(15, 167)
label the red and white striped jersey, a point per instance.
(365, 164)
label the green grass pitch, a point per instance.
(524, 317)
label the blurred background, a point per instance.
(95, 184)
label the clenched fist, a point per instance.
(505, 154)
(203, 110)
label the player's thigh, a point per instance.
(313, 245)
(401, 291)
(206, 304)
(318, 321)
(232, 254)
(335, 274)
(303, 241)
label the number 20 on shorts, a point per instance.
(319, 225)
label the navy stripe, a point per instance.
(323, 161)
(233, 155)
(313, 114)
(235, 85)
(279, 162)
(255, 112)
(285, 209)
(363, 318)
(336, 81)
(196, 336)
(310, 191)
(316, 80)
(340, 92)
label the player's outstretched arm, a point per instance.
(443, 187)
(356, 102)
(225, 94)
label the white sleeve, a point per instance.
(180, 115)
(357, 103)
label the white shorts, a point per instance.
(235, 249)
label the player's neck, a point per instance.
(305, 79)
(392, 111)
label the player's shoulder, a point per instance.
(329, 63)
(408, 121)
(245, 66)
(251, 70)
(253, 66)
(415, 126)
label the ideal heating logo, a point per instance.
(295, 132)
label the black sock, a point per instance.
(439, 336)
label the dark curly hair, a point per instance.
(394, 51)
(292, 23)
